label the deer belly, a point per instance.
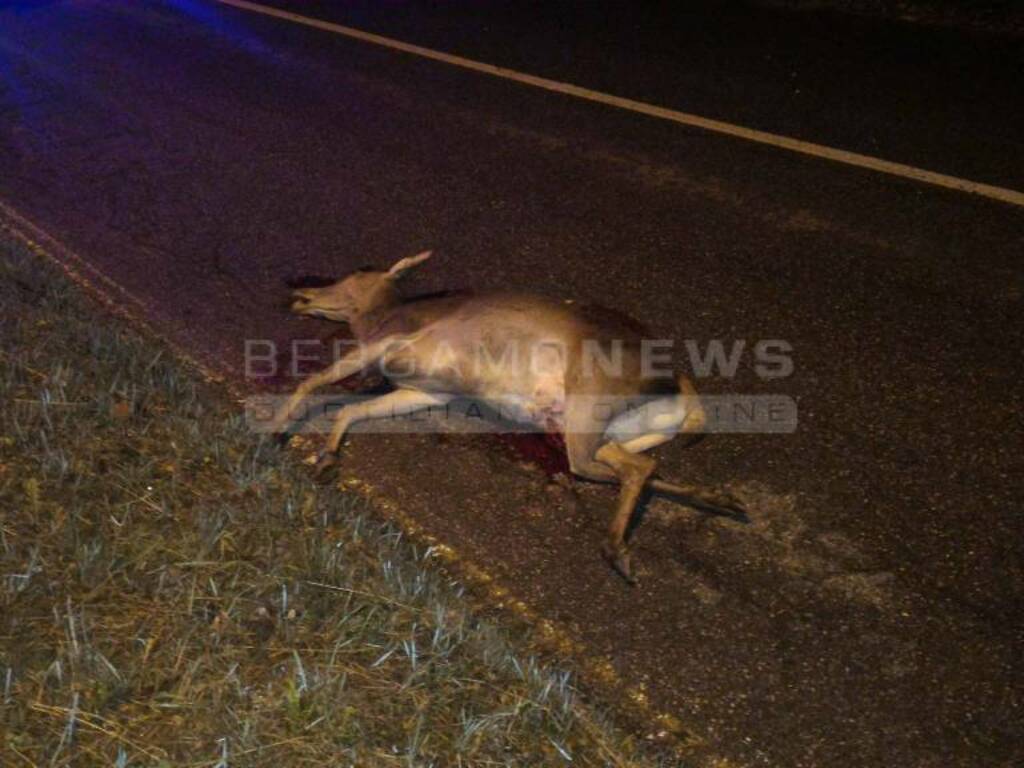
(541, 405)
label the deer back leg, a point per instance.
(632, 470)
(658, 421)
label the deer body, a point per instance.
(462, 347)
(534, 360)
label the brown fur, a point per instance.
(585, 397)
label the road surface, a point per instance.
(202, 157)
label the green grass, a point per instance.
(175, 590)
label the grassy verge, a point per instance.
(176, 591)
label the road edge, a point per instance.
(485, 592)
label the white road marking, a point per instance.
(684, 118)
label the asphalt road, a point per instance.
(202, 157)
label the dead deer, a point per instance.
(588, 380)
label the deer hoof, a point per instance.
(734, 506)
(327, 460)
(619, 559)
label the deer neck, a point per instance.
(368, 320)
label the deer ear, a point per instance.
(404, 265)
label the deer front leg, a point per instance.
(401, 402)
(633, 470)
(351, 363)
